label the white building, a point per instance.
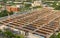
(37, 3)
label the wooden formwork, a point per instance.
(38, 22)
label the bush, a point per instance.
(9, 34)
(57, 8)
(55, 36)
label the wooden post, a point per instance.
(59, 24)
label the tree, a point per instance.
(56, 36)
(4, 13)
(5, 2)
(9, 34)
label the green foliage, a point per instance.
(54, 5)
(58, 36)
(27, 5)
(57, 8)
(5, 13)
(9, 34)
(36, 7)
(5, 1)
(21, 36)
(55, 36)
(31, 0)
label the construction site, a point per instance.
(43, 23)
